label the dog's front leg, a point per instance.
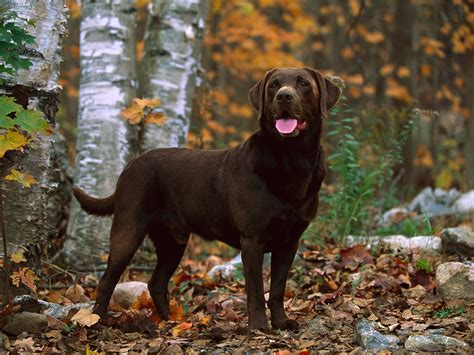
(282, 259)
(252, 260)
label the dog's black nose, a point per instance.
(285, 95)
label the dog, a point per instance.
(259, 196)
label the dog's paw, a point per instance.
(286, 324)
(261, 325)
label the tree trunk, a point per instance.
(28, 216)
(469, 123)
(107, 85)
(172, 58)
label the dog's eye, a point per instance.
(303, 83)
(273, 84)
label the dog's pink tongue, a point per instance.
(286, 125)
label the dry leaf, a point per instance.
(18, 256)
(180, 328)
(85, 318)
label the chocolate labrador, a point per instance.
(258, 196)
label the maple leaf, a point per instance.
(133, 114)
(150, 103)
(32, 122)
(180, 328)
(25, 276)
(85, 318)
(154, 118)
(12, 140)
(25, 179)
(18, 256)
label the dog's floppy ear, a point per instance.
(328, 92)
(257, 93)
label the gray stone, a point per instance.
(126, 293)
(398, 242)
(31, 304)
(459, 240)
(455, 280)
(173, 349)
(465, 203)
(31, 323)
(227, 270)
(435, 202)
(371, 339)
(396, 213)
(433, 342)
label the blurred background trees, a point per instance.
(392, 55)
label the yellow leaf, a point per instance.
(403, 72)
(24, 179)
(85, 318)
(18, 257)
(205, 320)
(386, 69)
(154, 118)
(374, 37)
(151, 103)
(12, 140)
(133, 114)
(180, 328)
(444, 179)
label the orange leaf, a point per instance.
(180, 328)
(154, 118)
(133, 114)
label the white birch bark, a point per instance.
(107, 85)
(29, 214)
(171, 61)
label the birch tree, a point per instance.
(171, 61)
(107, 85)
(28, 218)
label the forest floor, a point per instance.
(329, 291)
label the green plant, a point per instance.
(364, 169)
(12, 42)
(423, 264)
(448, 311)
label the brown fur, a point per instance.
(259, 196)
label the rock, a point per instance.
(126, 293)
(32, 323)
(395, 215)
(226, 270)
(465, 203)
(435, 202)
(31, 304)
(455, 280)
(173, 349)
(433, 342)
(371, 339)
(459, 240)
(398, 242)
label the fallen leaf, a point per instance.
(18, 256)
(85, 318)
(180, 328)
(76, 294)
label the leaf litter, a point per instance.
(328, 291)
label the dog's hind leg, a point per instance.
(125, 237)
(169, 253)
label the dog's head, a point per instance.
(291, 101)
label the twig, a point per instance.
(6, 264)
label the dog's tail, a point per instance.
(92, 205)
